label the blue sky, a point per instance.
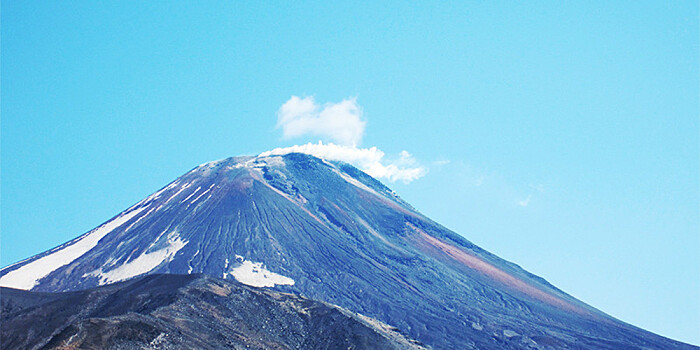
(562, 136)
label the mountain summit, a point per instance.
(328, 231)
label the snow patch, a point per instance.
(256, 275)
(140, 218)
(190, 268)
(28, 276)
(192, 194)
(203, 193)
(275, 161)
(143, 263)
(225, 268)
(509, 333)
(246, 164)
(259, 162)
(184, 187)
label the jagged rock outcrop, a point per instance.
(185, 312)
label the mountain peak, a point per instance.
(227, 184)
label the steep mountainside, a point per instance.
(185, 312)
(330, 232)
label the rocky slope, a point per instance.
(330, 232)
(185, 312)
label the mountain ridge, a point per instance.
(185, 311)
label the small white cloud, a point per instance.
(525, 202)
(339, 122)
(441, 162)
(370, 160)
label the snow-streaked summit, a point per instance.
(370, 160)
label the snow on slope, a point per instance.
(256, 275)
(28, 276)
(143, 263)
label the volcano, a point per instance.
(328, 231)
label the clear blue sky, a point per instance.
(571, 128)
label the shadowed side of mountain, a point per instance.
(185, 311)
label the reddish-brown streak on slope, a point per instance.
(341, 211)
(495, 273)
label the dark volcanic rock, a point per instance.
(184, 312)
(330, 232)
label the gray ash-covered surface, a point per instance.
(184, 312)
